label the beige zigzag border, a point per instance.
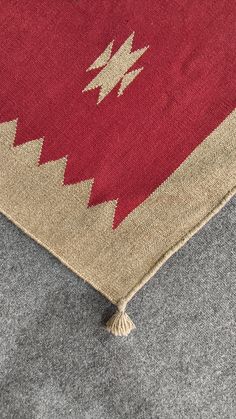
(115, 262)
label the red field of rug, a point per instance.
(117, 131)
(129, 144)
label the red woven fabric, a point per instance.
(129, 144)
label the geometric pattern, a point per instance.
(115, 69)
(114, 153)
(115, 262)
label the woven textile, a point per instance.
(117, 131)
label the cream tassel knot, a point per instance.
(120, 324)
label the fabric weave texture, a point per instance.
(117, 131)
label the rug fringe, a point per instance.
(120, 324)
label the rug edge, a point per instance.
(152, 271)
(27, 157)
(58, 257)
(174, 249)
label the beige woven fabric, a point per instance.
(115, 262)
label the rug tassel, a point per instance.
(120, 324)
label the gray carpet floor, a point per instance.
(57, 361)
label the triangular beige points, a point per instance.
(80, 191)
(45, 183)
(54, 170)
(7, 133)
(104, 212)
(29, 152)
(127, 79)
(103, 58)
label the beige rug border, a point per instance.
(25, 157)
(154, 269)
(80, 276)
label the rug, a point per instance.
(117, 131)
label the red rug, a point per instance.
(133, 103)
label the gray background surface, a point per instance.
(57, 361)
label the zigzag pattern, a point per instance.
(115, 68)
(114, 262)
(28, 154)
(130, 145)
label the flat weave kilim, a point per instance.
(117, 131)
